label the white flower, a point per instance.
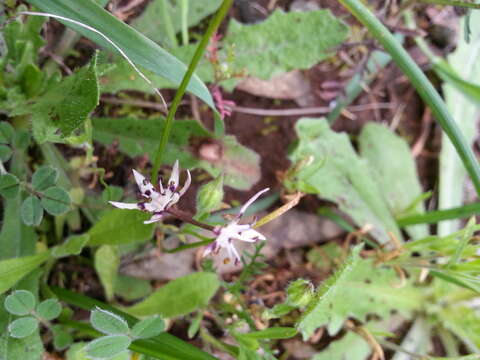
(158, 201)
(235, 231)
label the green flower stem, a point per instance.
(421, 83)
(433, 217)
(212, 27)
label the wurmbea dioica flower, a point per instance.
(158, 200)
(235, 231)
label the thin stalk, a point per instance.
(433, 217)
(423, 86)
(452, 3)
(184, 9)
(212, 27)
(185, 217)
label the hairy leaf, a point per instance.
(393, 168)
(375, 289)
(152, 23)
(327, 165)
(351, 347)
(107, 262)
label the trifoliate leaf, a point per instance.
(20, 302)
(62, 339)
(31, 211)
(56, 201)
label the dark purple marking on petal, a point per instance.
(141, 206)
(236, 261)
(148, 192)
(145, 182)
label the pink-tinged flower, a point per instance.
(225, 107)
(235, 231)
(158, 200)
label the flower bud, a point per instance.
(300, 293)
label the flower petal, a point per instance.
(154, 218)
(250, 201)
(186, 185)
(128, 206)
(145, 186)
(173, 181)
(250, 236)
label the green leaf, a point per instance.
(61, 337)
(393, 167)
(118, 226)
(5, 153)
(152, 22)
(23, 327)
(9, 186)
(107, 262)
(138, 48)
(56, 110)
(148, 327)
(327, 165)
(45, 177)
(72, 246)
(20, 302)
(13, 270)
(272, 333)
(374, 288)
(179, 297)
(56, 201)
(137, 137)
(351, 347)
(465, 62)
(49, 309)
(210, 196)
(284, 42)
(31, 211)
(6, 132)
(27, 348)
(131, 288)
(464, 322)
(108, 346)
(108, 322)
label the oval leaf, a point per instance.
(6, 132)
(180, 296)
(49, 309)
(5, 153)
(20, 302)
(108, 323)
(108, 346)
(23, 327)
(9, 186)
(45, 177)
(56, 201)
(148, 328)
(31, 211)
